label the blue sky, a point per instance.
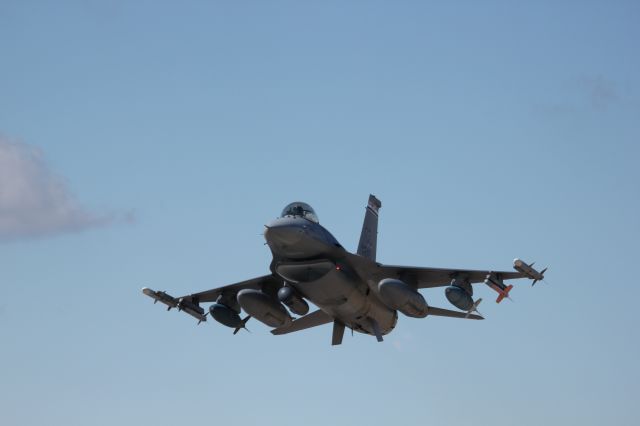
(146, 143)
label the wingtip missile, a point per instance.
(160, 296)
(185, 305)
(542, 274)
(528, 270)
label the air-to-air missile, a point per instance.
(528, 271)
(193, 309)
(162, 297)
(184, 304)
(497, 283)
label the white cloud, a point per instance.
(34, 201)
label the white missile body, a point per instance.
(161, 296)
(183, 305)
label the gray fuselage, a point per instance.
(314, 263)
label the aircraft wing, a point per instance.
(267, 283)
(227, 295)
(439, 277)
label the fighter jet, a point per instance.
(350, 290)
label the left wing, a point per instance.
(419, 277)
(438, 277)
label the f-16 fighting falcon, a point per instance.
(350, 290)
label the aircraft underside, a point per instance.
(344, 297)
(351, 290)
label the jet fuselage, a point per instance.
(313, 262)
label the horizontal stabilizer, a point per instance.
(439, 312)
(313, 319)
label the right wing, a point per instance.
(226, 295)
(267, 283)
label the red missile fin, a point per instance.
(504, 293)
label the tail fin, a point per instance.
(369, 236)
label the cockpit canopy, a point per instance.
(299, 209)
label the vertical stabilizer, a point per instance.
(369, 236)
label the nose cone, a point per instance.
(283, 234)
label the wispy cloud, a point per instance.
(601, 91)
(580, 94)
(34, 201)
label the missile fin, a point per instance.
(243, 324)
(505, 293)
(474, 308)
